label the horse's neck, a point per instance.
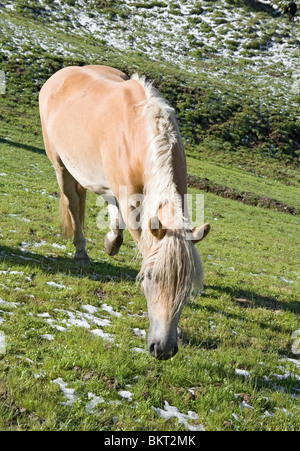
(165, 189)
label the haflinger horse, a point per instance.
(103, 131)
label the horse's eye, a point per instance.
(149, 274)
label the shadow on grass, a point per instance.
(251, 299)
(244, 299)
(98, 271)
(22, 146)
(211, 343)
(284, 383)
(262, 6)
(287, 383)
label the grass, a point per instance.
(243, 321)
(238, 371)
(240, 179)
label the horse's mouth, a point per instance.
(159, 354)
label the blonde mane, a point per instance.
(175, 264)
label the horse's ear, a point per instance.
(200, 233)
(156, 228)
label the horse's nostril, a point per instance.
(153, 348)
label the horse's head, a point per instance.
(170, 272)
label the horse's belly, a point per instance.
(89, 174)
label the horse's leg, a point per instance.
(113, 239)
(131, 209)
(72, 206)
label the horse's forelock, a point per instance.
(176, 269)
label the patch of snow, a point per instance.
(55, 326)
(109, 309)
(74, 321)
(92, 404)
(105, 336)
(11, 273)
(44, 315)
(242, 373)
(293, 361)
(90, 308)
(139, 350)
(9, 304)
(57, 285)
(171, 411)
(139, 332)
(286, 280)
(126, 394)
(48, 337)
(58, 246)
(68, 392)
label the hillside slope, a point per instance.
(230, 68)
(73, 341)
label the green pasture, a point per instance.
(73, 342)
(238, 371)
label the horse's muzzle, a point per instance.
(162, 352)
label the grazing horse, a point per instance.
(291, 10)
(102, 132)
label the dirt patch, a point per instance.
(111, 383)
(247, 198)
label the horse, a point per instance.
(103, 131)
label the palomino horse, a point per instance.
(103, 131)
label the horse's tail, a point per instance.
(66, 218)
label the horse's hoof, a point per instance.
(81, 258)
(112, 247)
(181, 337)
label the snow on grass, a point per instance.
(90, 308)
(140, 350)
(48, 337)
(104, 335)
(163, 34)
(126, 394)
(110, 310)
(94, 400)
(69, 393)
(139, 332)
(13, 215)
(242, 373)
(84, 320)
(57, 285)
(25, 246)
(93, 403)
(9, 303)
(189, 420)
(172, 411)
(11, 273)
(170, 34)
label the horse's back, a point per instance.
(75, 81)
(89, 116)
